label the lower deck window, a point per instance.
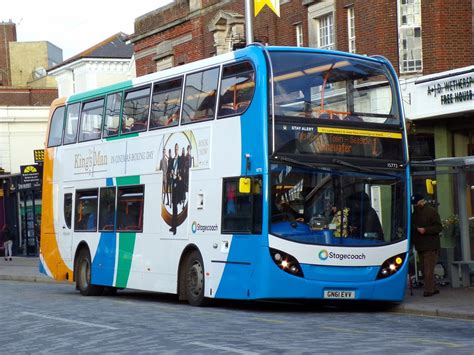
(241, 211)
(85, 216)
(130, 201)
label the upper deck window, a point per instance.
(72, 122)
(165, 106)
(91, 120)
(200, 96)
(237, 88)
(135, 110)
(112, 114)
(56, 127)
(316, 86)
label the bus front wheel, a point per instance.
(83, 275)
(195, 280)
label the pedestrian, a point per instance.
(426, 227)
(7, 241)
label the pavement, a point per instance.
(450, 302)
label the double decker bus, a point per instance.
(265, 173)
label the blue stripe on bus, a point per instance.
(237, 277)
(103, 266)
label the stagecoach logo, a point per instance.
(323, 254)
(196, 227)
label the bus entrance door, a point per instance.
(64, 230)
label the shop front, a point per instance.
(440, 110)
(20, 208)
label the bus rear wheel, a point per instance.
(195, 280)
(83, 275)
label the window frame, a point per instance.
(83, 103)
(76, 209)
(219, 68)
(181, 96)
(68, 223)
(117, 211)
(331, 29)
(122, 108)
(106, 98)
(299, 32)
(351, 34)
(62, 107)
(403, 30)
(218, 106)
(79, 104)
(99, 219)
(254, 227)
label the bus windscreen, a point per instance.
(333, 87)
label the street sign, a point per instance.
(274, 5)
(39, 155)
(31, 177)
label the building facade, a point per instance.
(186, 31)
(26, 93)
(105, 63)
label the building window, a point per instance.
(351, 29)
(326, 31)
(409, 35)
(299, 35)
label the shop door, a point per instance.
(29, 223)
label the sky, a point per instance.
(74, 26)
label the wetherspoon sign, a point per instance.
(441, 94)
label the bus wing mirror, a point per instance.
(430, 186)
(245, 185)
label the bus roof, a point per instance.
(202, 64)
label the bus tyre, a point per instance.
(195, 280)
(83, 275)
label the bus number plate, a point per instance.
(338, 294)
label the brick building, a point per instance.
(429, 42)
(185, 31)
(26, 93)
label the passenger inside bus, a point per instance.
(363, 219)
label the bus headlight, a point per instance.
(286, 262)
(391, 266)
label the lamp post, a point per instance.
(248, 21)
